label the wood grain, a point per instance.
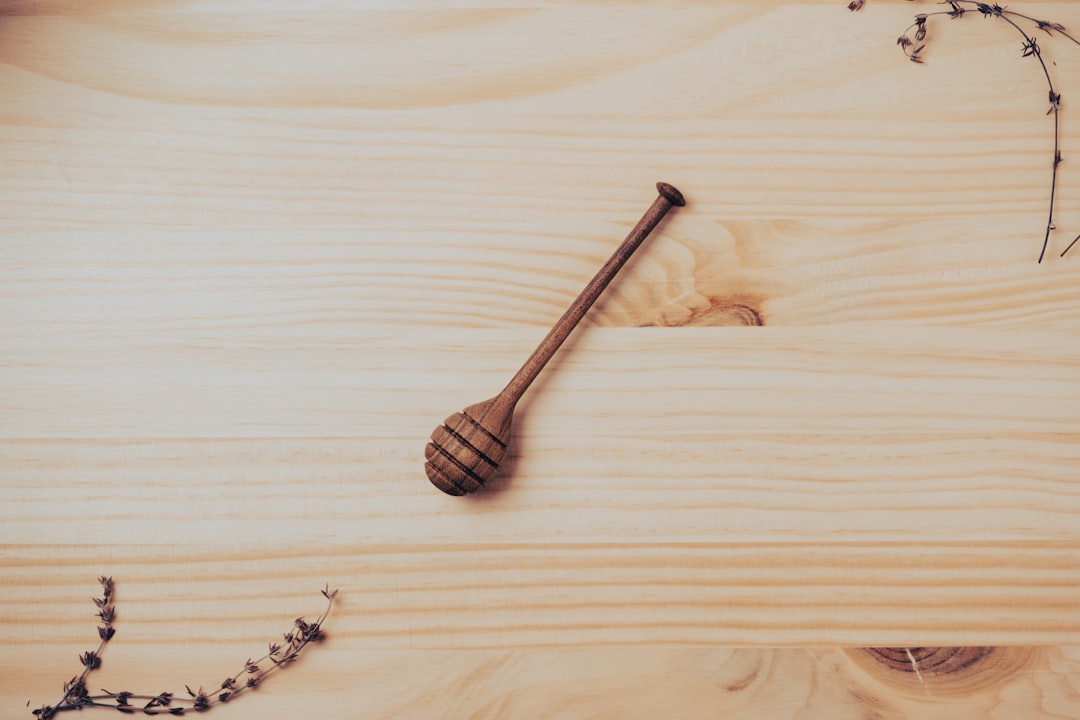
(251, 254)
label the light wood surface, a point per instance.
(251, 253)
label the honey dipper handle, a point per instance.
(668, 198)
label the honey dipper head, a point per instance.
(465, 453)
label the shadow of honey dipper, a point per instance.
(466, 450)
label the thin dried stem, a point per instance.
(912, 42)
(279, 655)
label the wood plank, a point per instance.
(817, 196)
(785, 684)
(504, 595)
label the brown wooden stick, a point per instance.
(466, 450)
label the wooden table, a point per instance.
(251, 253)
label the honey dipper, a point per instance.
(465, 451)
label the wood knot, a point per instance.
(943, 671)
(930, 660)
(719, 312)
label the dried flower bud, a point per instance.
(90, 659)
(76, 692)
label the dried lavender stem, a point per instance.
(1031, 48)
(76, 696)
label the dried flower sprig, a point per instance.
(75, 692)
(77, 697)
(913, 42)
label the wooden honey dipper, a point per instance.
(465, 451)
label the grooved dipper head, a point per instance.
(466, 450)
